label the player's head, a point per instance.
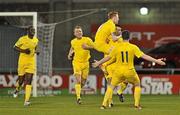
(114, 16)
(31, 31)
(78, 31)
(118, 30)
(125, 35)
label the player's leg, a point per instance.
(85, 73)
(120, 91)
(109, 92)
(137, 92)
(77, 74)
(134, 79)
(19, 84)
(21, 73)
(102, 47)
(28, 88)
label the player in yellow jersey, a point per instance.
(104, 31)
(26, 45)
(123, 55)
(109, 67)
(79, 47)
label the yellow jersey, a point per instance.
(80, 54)
(25, 42)
(124, 54)
(104, 31)
(114, 43)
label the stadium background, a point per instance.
(160, 86)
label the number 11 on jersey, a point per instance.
(124, 55)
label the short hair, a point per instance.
(77, 27)
(125, 34)
(112, 14)
(29, 28)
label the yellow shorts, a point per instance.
(102, 47)
(81, 69)
(26, 68)
(122, 75)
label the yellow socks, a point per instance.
(107, 96)
(137, 95)
(78, 90)
(123, 87)
(28, 92)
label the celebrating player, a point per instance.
(124, 54)
(79, 47)
(26, 45)
(104, 31)
(109, 67)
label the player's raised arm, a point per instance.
(71, 51)
(149, 58)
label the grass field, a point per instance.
(66, 105)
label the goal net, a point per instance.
(12, 26)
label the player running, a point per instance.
(26, 45)
(79, 47)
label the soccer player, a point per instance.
(124, 54)
(79, 47)
(108, 67)
(26, 45)
(104, 31)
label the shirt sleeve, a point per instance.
(138, 53)
(19, 43)
(71, 43)
(90, 42)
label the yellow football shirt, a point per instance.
(80, 54)
(104, 31)
(124, 54)
(114, 43)
(25, 42)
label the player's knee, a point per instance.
(28, 79)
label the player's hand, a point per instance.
(27, 51)
(95, 64)
(103, 68)
(161, 61)
(85, 46)
(69, 57)
(37, 52)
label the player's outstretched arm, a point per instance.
(87, 47)
(149, 58)
(71, 51)
(100, 62)
(26, 51)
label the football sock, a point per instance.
(78, 90)
(107, 96)
(28, 92)
(137, 95)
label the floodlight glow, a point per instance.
(143, 11)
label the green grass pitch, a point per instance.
(66, 105)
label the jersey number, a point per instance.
(124, 56)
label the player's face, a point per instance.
(118, 30)
(31, 32)
(78, 33)
(116, 19)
